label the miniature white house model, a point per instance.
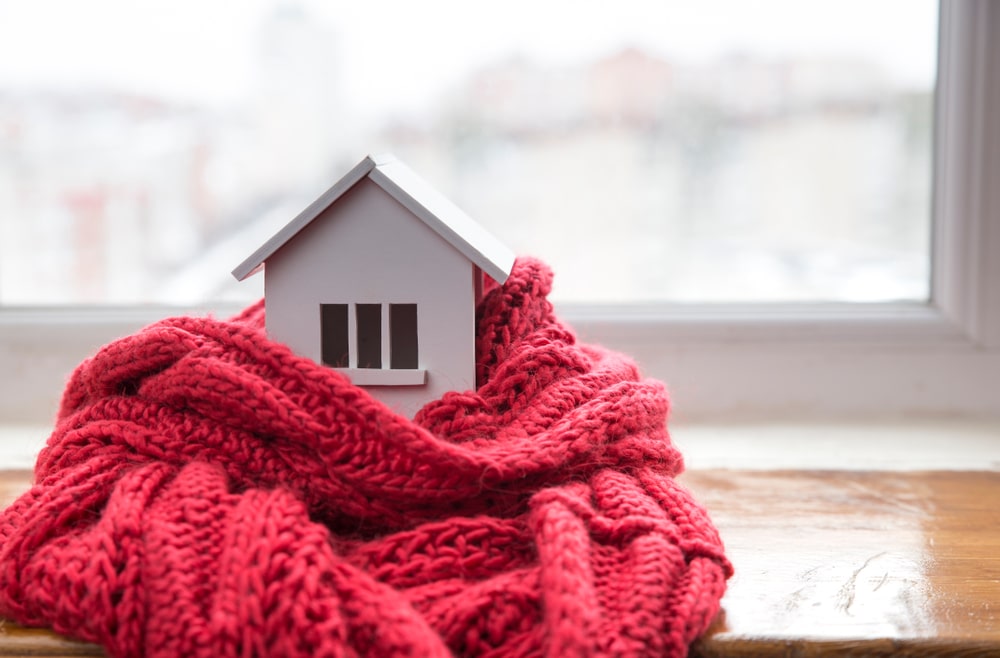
(379, 278)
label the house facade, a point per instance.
(379, 278)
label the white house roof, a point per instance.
(417, 196)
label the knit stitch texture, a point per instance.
(206, 492)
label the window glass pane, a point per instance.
(369, 335)
(403, 336)
(647, 149)
(334, 335)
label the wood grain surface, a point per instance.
(828, 563)
(856, 563)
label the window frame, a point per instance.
(745, 361)
(387, 373)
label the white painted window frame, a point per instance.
(738, 362)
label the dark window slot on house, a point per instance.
(403, 336)
(369, 335)
(334, 344)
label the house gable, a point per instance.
(415, 194)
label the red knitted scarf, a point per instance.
(208, 493)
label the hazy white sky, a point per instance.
(399, 52)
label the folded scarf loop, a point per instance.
(206, 492)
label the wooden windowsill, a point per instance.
(872, 563)
(828, 562)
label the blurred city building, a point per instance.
(743, 178)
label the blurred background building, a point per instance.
(740, 175)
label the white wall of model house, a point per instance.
(385, 245)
